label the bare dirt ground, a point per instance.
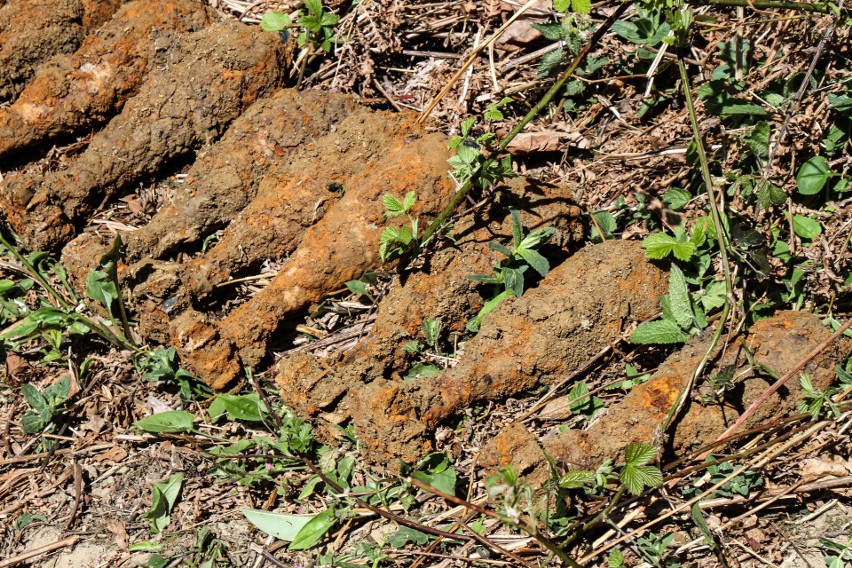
(246, 175)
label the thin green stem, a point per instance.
(462, 192)
(36, 275)
(721, 236)
(766, 5)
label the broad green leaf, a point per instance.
(467, 154)
(812, 176)
(536, 237)
(33, 397)
(806, 227)
(408, 201)
(770, 194)
(431, 330)
(274, 21)
(314, 530)
(405, 535)
(758, 140)
(714, 296)
(32, 422)
(607, 224)
(57, 393)
(679, 304)
(494, 245)
(661, 245)
(314, 6)
(561, 5)
(280, 525)
(238, 407)
(101, 288)
(582, 7)
(357, 287)
(165, 494)
(577, 478)
(419, 370)
(535, 260)
(639, 454)
(393, 206)
(677, 198)
(444, 480)
(841, 103)
(171, 421)
(637, 478)
(658, 332)
(615, 559)
(553, 31)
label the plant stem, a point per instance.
(36, 275)
(766, 4)
(438, 222)
(721, 236)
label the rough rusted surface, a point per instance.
(778, 343)
(370, 154)
(576, 310)
(231, 65)
(441, 289)
(31, 31)
(72, 94)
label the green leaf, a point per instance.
(444, 480)
(535, 238)
(582, 7)
(101, 288)
(714, 296)
(577, 478)
(661, 245)
(552, 31)
(431, 330)
(561, 5)
(758, 140)
(770, 194)
(274, 21)
(237, 407)
(419, 370)
(812, 175)
(615, 559)
(405, 535)
(535, 260)
(33, 397)
(408, 201)
(806, 227)
(677, 198)
(280, 525)
(32, 422)
(681, 307)
(163, 501)
(314, 7)
(393, 206)
(639, 454)
(171, 421)
(517, 228)
(357, 287)
(635, 475)
(841, 103)
(314, 530)
(607, 224)
(57, 393)
(658, 332)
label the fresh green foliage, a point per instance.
(743, 484)
(315, 26)
(168, 422)
(394, 241)
(635, 474)
(46, 405)
(681, 315)
(435, 470)
(582, 402)
(634, 377)
(362, 286)
(247, 407)
(165, 495)
(607, 224)
(509, 273)
(161, 364)
(653, 547)
(470, 164)
(839, 554)
(817, 402)
(660, 245)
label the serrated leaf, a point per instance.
(171, 421)
(314, 530)
(582, 7)
(431, 330)
(280, 525)
(550, 63)
(393, 206)
(32, 422)
(577, 478)
(663, 332)
(661, 245)
(552, 31)
(758, 140)
(806, 227)
(679, 304)
(714, 296)
(639, 454)
(408, 201)
(101, 288)
(561, 5)
(812, 176)
(677, 198)
(637, 478)
(769, 194)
